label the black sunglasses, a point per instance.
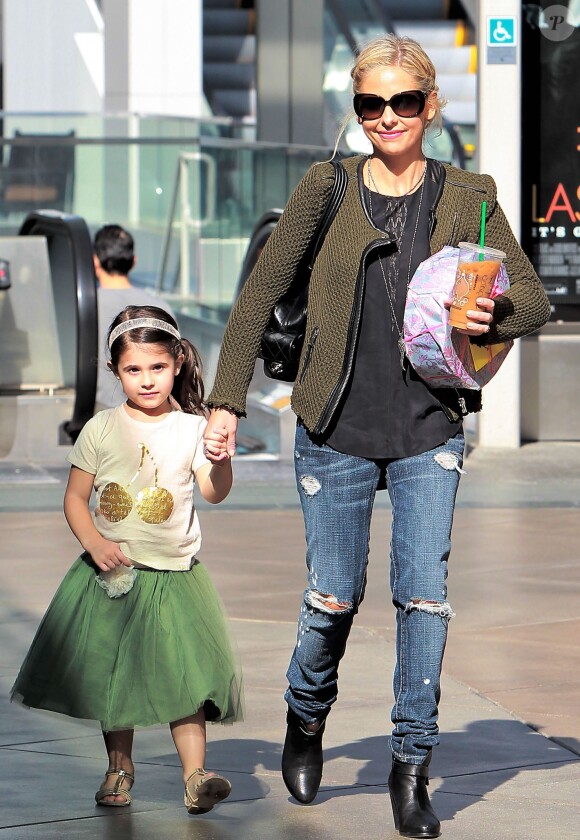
(371, 106)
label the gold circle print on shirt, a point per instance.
(154, 505)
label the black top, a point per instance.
(387, 412)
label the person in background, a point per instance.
(365, 418)
(114, 258)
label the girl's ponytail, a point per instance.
(188, 389)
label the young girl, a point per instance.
(135, 635)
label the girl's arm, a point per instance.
(215, 480)
(105, 554)
(221, 418)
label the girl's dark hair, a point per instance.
(188, 389)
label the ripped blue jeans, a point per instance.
(337, 494)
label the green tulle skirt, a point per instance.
(157, 654)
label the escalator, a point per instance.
(70, 254)
(229, 58)
(48, 337)
(443, 28)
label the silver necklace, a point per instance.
(401, 339)
(404, 195)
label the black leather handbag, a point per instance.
(283, 337)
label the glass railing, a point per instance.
(220, 192)
(190, 191)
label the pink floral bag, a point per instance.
(443, 357)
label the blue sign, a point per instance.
(501, 32)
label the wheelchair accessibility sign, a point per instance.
(501, 40)
(501, 31)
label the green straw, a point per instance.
(482, 227)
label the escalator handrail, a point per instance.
(260, 235)
(49, 223)
(343, 24)
(459, 158)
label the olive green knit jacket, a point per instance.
(335, 296)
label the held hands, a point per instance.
(479, 319)
(220, 435)
(215, 445)
(219, 445)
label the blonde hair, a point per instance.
(400, 51)
(396, 51)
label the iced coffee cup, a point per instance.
(477, 269)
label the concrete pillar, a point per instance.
(289, 71)
(153, 57)
(153, 65)
(52, 55)
(54, 58)
(307, 72)
(498, 154)
(273, 70)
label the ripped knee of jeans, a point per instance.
(326, 603)
(449, 461)
(440, 608)
(310, 485)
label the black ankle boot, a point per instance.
(412, 811)
(302, 759)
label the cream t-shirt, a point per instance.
(144, 480)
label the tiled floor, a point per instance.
(511, 668)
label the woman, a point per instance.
(364, 416)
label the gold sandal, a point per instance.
(207, 791)
(116, 790)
